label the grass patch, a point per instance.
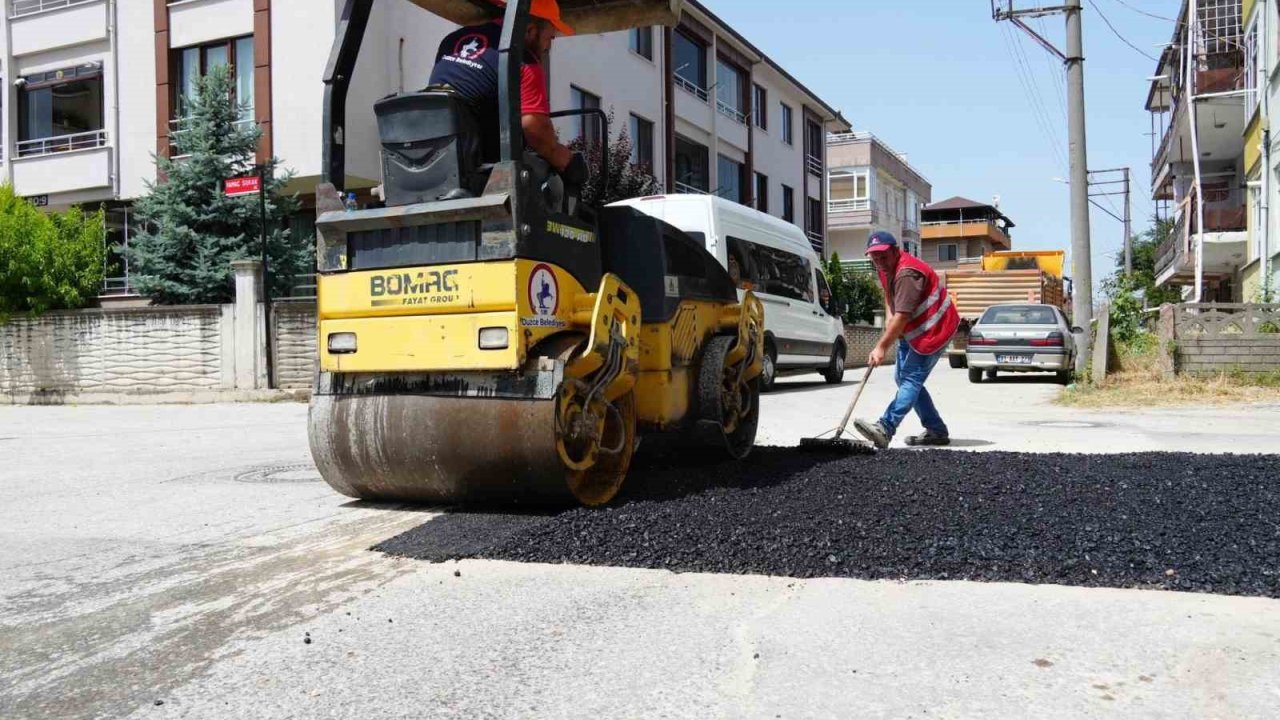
(1141, 383)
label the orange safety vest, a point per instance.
(935, 321)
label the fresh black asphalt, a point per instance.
(1201, 523)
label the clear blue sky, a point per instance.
(938, 81)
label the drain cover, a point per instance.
(279, 474)
(1068, 424)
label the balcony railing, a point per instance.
(969, 260)
(689, 86)
(689, 189)
(118, 287)
(62, 143)
(851, 205)
(18, 8)
(813, 164)
(731, 112)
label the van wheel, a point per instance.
(834, 373)
(770, 373)
(957, 361)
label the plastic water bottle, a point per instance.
(350, 202)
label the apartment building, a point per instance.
(94, 88)
(871, 187)
(959, 231)
(1260, 276)
(1200, 102)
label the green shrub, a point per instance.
(48, 261)
(858, 291)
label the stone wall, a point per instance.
(1217, 337)
(116, 351)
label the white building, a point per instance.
(93, 88)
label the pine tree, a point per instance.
(191, 230)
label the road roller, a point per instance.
(487, 337)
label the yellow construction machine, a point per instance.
(486, 336)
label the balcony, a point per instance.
(965, 230)
(683, 189)
(40, 25)
(844, 214)
(813, 164)
(1224, 245)
(62, 164)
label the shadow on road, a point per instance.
(782, 388)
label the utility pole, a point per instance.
(1073, 58)
(1104, 179)
(1128, 225)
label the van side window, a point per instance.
(783, 274)
(741, 269)
(824, 293)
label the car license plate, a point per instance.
(1013, 359)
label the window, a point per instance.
(642, 42)
(732, 185)
(730, 84)
(586, 127)
(813, 216)
(193, 63)
(762, 193)
(788, 116)
(780, 273)
(814, 146)
(824, 293)
(690, 58)
(948, 252)
(693, 169)
(1259, 223)
(61, 110)
(1251, 65)
(641, 143)
(849, 186)
(788, 204)
(760, 107)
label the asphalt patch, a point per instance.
(1152, 520)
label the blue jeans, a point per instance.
(910, 373)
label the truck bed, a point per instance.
(973, 291)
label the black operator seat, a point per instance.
(432, 148)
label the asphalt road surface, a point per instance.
(184, 561)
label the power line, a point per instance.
(1116, 32)
(1140, 11)
(1033, 98)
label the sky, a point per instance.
(976, 105)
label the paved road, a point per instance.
(183, 554)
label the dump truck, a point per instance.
(486, 336)
(1004, 277)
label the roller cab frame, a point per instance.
(487, 337)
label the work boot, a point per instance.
(929, 437)
(874, 432)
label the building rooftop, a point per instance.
(958, 204)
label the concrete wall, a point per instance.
(294, 344)
(861, 340)
(1213, 338)
(117, 351)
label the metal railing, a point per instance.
(691, 87)
(814, 164)
(731, 112)
(62, 143)
(118, 287)
(18, 8)
(851, 205)
(969, 260)
(689, 189)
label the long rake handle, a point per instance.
(849, 413)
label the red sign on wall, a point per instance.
(250, 185)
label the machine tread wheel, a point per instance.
(834, 372)
(975, 375)
(957, 361)
(718, 424)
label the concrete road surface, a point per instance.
(185, 555)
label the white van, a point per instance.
(773, 258)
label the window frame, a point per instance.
(586, 127)
(955, 252)
(760, 106)
(789, 204)
(788, 124)
(761, 192)
(740, 170)
(230, 45)
(637, 160)
(736, 112)
(706, 164)
(84, 73)
(703, 50)
(641, 42)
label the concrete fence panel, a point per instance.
(1220, 337)
(294, 344)
(114, 351)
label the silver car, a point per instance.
(1021, 338)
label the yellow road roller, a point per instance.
(486, 336)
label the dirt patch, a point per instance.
(1141, 383)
